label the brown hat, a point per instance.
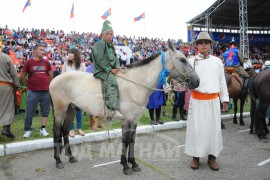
(203, 36)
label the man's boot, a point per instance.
(100, 122)
(212, 163)
(6, 131)
(195, 163)
(93, 123)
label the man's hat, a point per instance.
(203, 36)
(233, 42)
(107, 26)
(267, 63)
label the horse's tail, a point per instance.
(52, 108)
(252, 90)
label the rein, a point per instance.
(186, 82)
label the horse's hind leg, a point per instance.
(65, 129)
(131, 158)
(242, 102)
(125, 143)
(57, 139)
(222, 125)
(235, 110)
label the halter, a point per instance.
(187, 80)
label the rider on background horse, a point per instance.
(106, 67)
(233, 58)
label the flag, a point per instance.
(139, 17)
(72, 11)
(106, 14)
(28, 3)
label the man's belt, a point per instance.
(6, 83)
(202, 96)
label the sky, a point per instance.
(163, 18)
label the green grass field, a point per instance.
(18, 125)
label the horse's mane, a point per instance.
(143, 62)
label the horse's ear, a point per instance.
(171, 46)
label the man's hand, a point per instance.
(114, 71)
(224, 106)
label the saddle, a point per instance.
(233, 74)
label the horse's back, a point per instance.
(79, 88)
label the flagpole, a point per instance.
(30, 17)
(73, 26)
(144, 26)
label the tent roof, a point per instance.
(225, 13)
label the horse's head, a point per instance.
(181, 70)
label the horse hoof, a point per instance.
(242, 124)
(234, 122)
(73, 160)
(251, 132)
(137, 169)
(223, 127)
(264, 140)
(60, 166)
(128, 172)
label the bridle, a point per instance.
(187, 80)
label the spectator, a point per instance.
(179, 101)
(74, 64)
(39, 75)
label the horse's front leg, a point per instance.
(131, 157)
(260, 121)
(70, 115)
(242, 102)
(125, 143)
(235, 110)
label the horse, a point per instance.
(82, 90)
(235, 89)
(259, 89)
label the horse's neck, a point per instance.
(149, 73)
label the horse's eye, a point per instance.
(183, 60)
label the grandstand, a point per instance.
(246, 20)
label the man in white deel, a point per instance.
(203, 136)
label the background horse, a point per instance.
(259, 89)
(235, 89)
(82, 90)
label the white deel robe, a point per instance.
(203, 135)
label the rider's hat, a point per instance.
(233, 41)
(107, 26)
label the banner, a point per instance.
(254, 39)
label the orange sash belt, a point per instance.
(203, 96)
(6, 83)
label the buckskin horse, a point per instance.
(259, 89)
(82, 90)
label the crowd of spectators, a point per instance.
(19, 45)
